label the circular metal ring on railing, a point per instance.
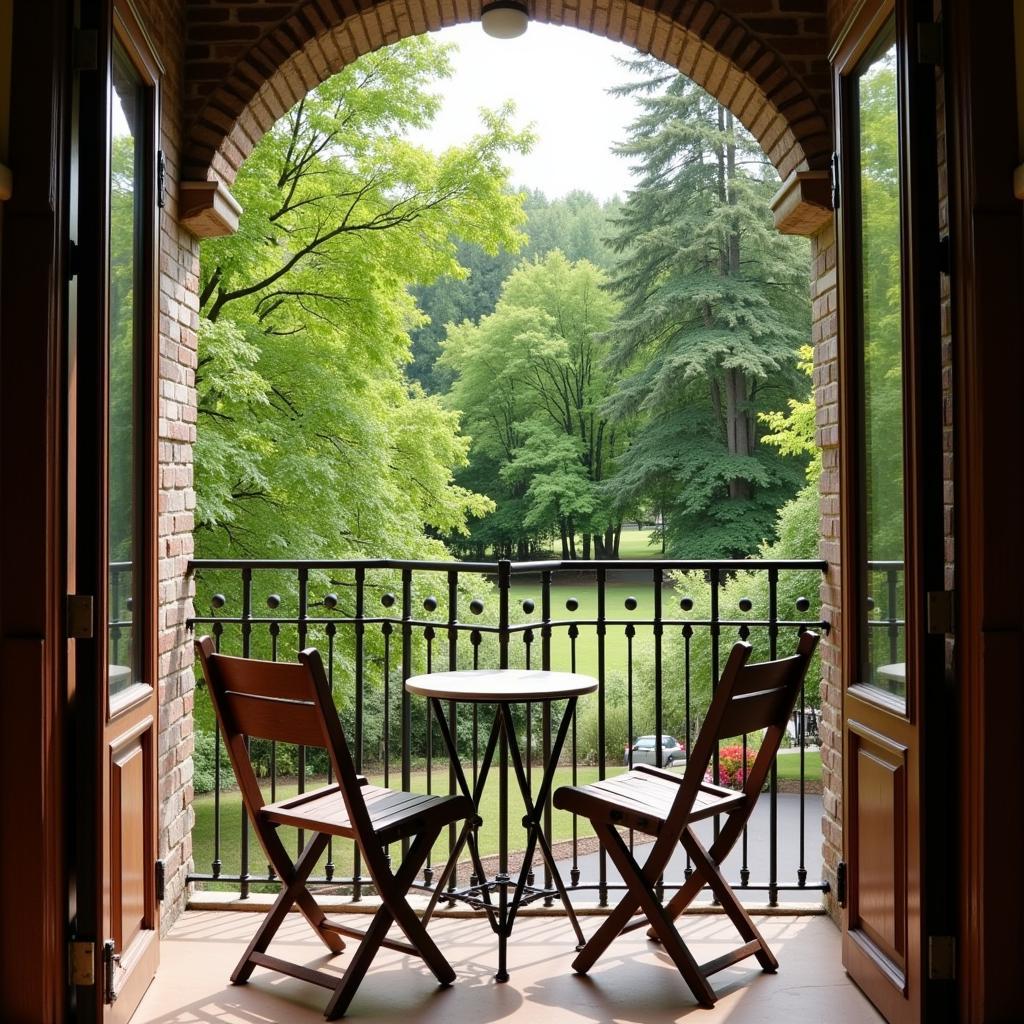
(218, 601)
(802, 604)
(387, 600)
(686, 604)
(528, 606)
(129, 602)
(746, 604)
(871, 604)
(476, 606)
(630, 604)
(273, 601)
(572, 604)
(430, 604)
(330, 601)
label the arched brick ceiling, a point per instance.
(247, 63)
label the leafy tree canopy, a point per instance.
(714, 307)
(530, 381)
(577, 225)
(311, 442)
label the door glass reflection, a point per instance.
(123, 349)
(876, 99)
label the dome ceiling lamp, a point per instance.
(504, 19)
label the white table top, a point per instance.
(490, 686)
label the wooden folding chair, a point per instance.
(664, 804)
(291, 703)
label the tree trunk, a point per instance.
(571, 529)
(586, 547)
(565, 540)
(737, 427)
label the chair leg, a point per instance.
(293, 886)
(643, 892)
(303, 897)
(392, 889)
(730, 904)
(606, 933)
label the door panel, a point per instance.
(133, 908)
(878, 805)
(892, 534)
(129, 794)
(113, 532)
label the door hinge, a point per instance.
(85, 48)
(161, 881)
(930, 46)
(941, 612)
(941, 958)
(833, 174)
(161, 178)
(82, 962)
(111, 960)
(80, 617)
(841, 883)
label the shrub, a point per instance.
(730, 766)
(203, 779)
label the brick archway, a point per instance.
(247, 64)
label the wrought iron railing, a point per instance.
(653, 632)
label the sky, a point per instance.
(557, 78)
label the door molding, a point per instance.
(988, 310)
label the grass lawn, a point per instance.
(231, 816)
(584, 590)
(636, 544)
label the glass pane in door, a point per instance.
(123, 353)
(876, 99)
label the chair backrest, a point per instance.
(282, 701)
(749, 698)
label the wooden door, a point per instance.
(892, 491)
(114, 520)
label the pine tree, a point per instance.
(715, 306)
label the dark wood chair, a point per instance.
(291, 703)
(665, 804)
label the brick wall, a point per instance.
(247, 64)
(179, 318)
(825, 338)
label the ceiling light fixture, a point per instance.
(504, 19)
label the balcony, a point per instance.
(654, 633)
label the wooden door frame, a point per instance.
(33, 931)
(988, 311)
(929, 710)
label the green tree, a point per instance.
(311, 442)
(530, 382)
(715, 304)
(577, 225)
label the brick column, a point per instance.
(824, 333)
(177, 414)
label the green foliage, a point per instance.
(576, 225)
(530, 382)
(311, 442)
(715, 304)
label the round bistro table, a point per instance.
(503, 688)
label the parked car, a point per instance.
(643, 751)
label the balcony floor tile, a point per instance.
(633, 983)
